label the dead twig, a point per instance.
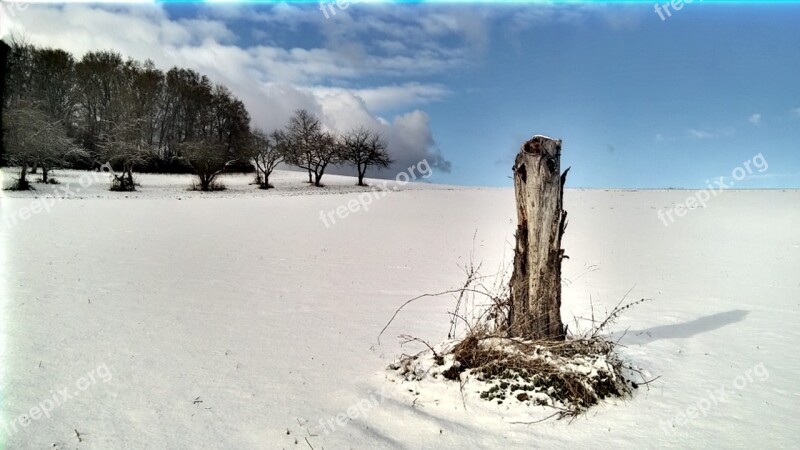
(408, 339)
(538, 421)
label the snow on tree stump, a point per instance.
(535, 308)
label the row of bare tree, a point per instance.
(59, 112)
(305, 144)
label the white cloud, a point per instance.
(522, 18)
(412, 133)
(796, 112)
(622, 17)
(701, 134)
(755, 119)
(384, 98)
(710, 134)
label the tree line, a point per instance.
(61, 112)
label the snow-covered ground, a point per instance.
(170, 319)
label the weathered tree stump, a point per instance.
(535, 311)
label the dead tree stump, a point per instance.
(535, 310)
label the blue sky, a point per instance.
(639, 101)
(652, 104)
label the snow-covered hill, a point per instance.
(170, 319)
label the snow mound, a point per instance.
(569, 376)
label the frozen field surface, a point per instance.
(169, 319)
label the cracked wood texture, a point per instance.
(535, 310)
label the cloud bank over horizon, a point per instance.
(241, 46)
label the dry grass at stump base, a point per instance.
(568, 375)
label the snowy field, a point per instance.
(169, 319)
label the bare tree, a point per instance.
(18, 71)
(31, 135)
(301, 133)
(63, 152)
(267, 153)
(365, 148)
(124, 145)
(102, 95)
(326, 150)
(208, 157)
(309, 147)
(98, 93)
(53, 83)
(41, 81)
